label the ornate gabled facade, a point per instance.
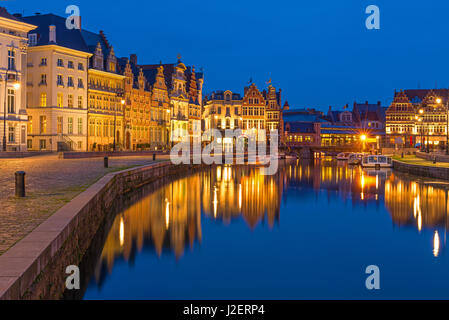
(185, 91)
(160, 110)
(273, 111)
(253, 111)
(137, 106)
(418, 117)
(105, 95)
(195, 103)
(13, 75)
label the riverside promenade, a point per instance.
(50, 184)
(422, 167)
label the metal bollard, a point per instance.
(154, 156)
(106, 162)
(20, 184)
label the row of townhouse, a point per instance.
(65, 89)
(254, 113)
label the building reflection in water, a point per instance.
(169, 219)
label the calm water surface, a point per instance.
(307, 233)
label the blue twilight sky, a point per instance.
(319, 52)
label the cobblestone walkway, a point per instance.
(50, 184)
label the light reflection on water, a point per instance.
(307, 232)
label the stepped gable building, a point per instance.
(105, 95)
(13, 76)
(137, 105)
(273, 111)
(160, 106)
(253, 111)
(418, 117)
(185, 90)
(58, 60)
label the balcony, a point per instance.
(118, 91)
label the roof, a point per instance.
(219, 95)
(92, 39)
(122, 62)
(301, 117)
(301, 127)
(67, 38)
(150, 71)
(5, 14)
(417, 95)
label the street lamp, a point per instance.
(419, 119)
(16, 86)
(363, 139)
(168, 131)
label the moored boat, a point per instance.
(377, 161)
(343, 156)
(355, 158)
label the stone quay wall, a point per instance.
(25, 154)
(101, 154)
(35, 267)
(433, 156)
(425, 171)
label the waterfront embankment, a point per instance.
(35, 267)
(422, 167)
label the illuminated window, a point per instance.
(70, 126)
(30, 125)
(43, 124)
(43, 99)
(59, 125)
(60, 101)
(80, 126)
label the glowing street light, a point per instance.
(438, 100)
(363, 139)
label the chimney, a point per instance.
(366, 102)
(52, 34)
(133, 59)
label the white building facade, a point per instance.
(13, 79)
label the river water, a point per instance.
(309, 232)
